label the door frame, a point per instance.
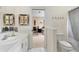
(45, 32)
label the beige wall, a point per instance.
(38, 20)
(16, 10)
(56, 18)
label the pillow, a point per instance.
(3, 36)
(0, 30)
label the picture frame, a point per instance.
(23, 19)
(8, 19)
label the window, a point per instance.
(23, 19)
(8, 19)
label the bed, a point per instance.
(17, 43)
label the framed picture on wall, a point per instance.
(8, 19)
(23, 19)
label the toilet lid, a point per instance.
(65, 43)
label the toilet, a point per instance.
(65, 46)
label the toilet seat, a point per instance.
(66, 44)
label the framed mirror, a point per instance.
(8, 19)
(23, 19)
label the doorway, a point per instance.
(38, 28)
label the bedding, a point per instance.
(13, 43)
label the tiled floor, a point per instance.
(38, 40)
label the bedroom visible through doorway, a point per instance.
(38, 20)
